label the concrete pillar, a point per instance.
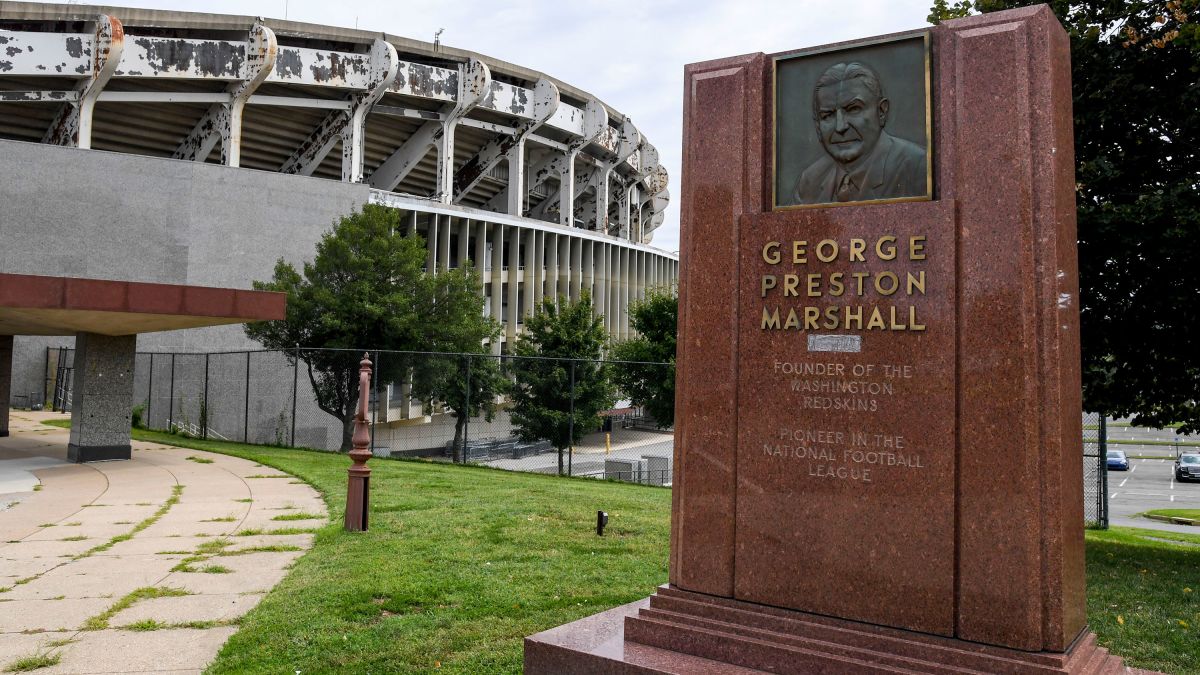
(445, 224)
(102, 397)
(539, 267)
(552, 247)
(464, 240)
(577, 266)
(514, 276)
(531, 275)
(600, 282)
(6, 348)
(431, 244)
(587, 280)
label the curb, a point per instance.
(1175, 520)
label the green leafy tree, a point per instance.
(365, 288)
(569, 340)
(470, 384)
(1135, 68)
(655, 320)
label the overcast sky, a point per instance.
(629, 54)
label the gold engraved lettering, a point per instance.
(885, 248)
(831, 318)
(814, 284)
(770, 319)
(916, 283)
(883, 289)
(854, 316)
(792, 320)
(790, 282)
(836, 287)
(811, 314)
(876, 320)
(768, 282)
(770, 253)
(799, 255)
(857, 248)
(916, 248)
(831, 246)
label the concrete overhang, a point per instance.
(40, 305)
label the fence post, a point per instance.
(467, 409)
(571, 426)
(204, 416)
(46, 384)
(246, 412)
(150, 393)
(374, 395)
(295, 381)
(171, 400)
(1103, 459)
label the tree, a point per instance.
(365, 288)
(558, 393)
(1135, 68)
(468, 384)
(655, 320)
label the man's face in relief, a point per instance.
(849, 119)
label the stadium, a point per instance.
(186, 148)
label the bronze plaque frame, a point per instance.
(848, 49)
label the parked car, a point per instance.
(1187, 467)
(1117, 461)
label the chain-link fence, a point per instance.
(1095, 471)
(544, 415)
(464, 408)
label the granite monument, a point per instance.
(878, 442)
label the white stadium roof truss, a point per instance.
(442, 125)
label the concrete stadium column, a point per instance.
(529, 278)
(539, 267)
(6, 349)
(497, 306)
(412, 223)
(564, 265)
(577, 267)
(102, 397)
(445, 225)
(588, 282)
(479, 256)
(464, 240)
(552, 267)
(627, 269)
(512, 246)
(614, 288)
(431, 244)
(600, 282)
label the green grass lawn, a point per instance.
(1176, 513)
(461, 563)
(458, 566)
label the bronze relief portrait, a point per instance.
(852, 125)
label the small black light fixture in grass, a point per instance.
(601, 521)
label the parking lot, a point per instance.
(1149, 484)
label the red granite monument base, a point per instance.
(676, 631)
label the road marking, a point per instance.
(1123, 483)
(1114, 495)
(1134, 468)
(1172, 497)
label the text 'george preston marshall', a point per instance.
(819, 284)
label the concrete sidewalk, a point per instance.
(140, 565)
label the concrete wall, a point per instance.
(93, 214)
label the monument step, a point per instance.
(779, 640)
(763, 650)
(813, 627)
